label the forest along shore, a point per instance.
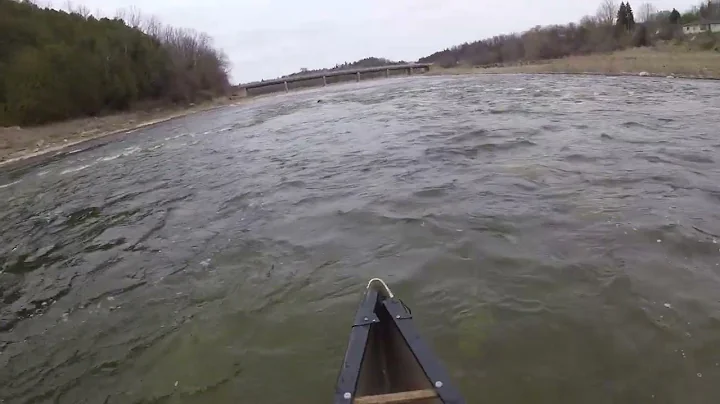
(71, 75)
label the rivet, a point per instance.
(438, 384)
(366, 319)
(398, 316)
(347, 396)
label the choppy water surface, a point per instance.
(556, 237)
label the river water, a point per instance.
(556, 238)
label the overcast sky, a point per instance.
(269, 38)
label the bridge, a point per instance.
(321, 78)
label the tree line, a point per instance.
(56, 65)
(613, 27)
(705, 11)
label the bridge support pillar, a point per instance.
(387, 73)
(410, 72)
(241, 92)
(324, 81)
(357, 77)
(287, 89)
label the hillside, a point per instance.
(359, 64)
(614, 27)
(56, 65)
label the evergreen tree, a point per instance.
(674, 17)
(621, 20)
(629, 17)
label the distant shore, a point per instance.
(17, 145)
(645, 61)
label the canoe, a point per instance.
(386, 361)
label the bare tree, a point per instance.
(79, 9)
(152, 26)
(588, 21)
(82, 11)
(120, 13)
(646, 12)
(607, 11)
(134, 17)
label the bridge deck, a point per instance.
(332, 73)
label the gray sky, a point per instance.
(269, 38)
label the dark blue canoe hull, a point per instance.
(386, 360)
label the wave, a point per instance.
(75, 169)
(689, 157)
(434, 192)
(474, 151)
(580, 158)
(497, 111)
(634, 124)
(10, 184)
(127, 152)
(469, 136)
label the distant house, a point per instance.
(702, 26)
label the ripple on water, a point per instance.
(477, 150)
(689, 156)
(434, 191)
(469, 137)
(581, 158)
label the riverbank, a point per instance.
(654, 61)
(17, 144)
(20, 145)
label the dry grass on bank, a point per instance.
(656, 61)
